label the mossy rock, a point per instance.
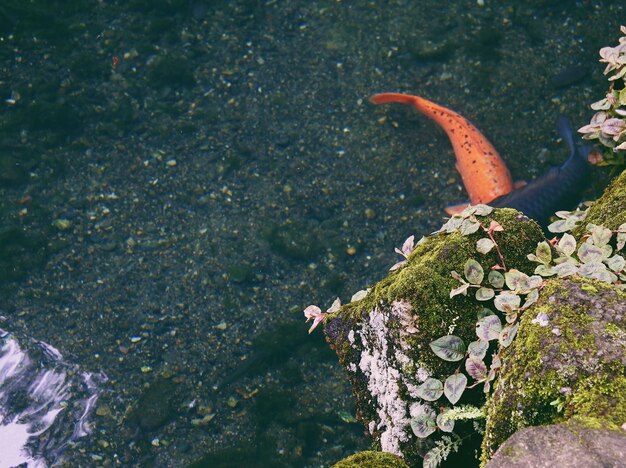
(383, 339)
(610, 209)
(570, 370)
(371, 459)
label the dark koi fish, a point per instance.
(560, 188)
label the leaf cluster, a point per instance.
(608, 124)
(510, 292)
(598, 255)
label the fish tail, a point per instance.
(426, 107)
(578, 154)
(566, 131)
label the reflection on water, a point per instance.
(45, 402)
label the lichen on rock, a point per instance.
(383, 339)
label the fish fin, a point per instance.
(456, 209)
(566, 131)
(520, 184)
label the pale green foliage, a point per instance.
(506, 288)
(569, 220)
(464, 412)
(512, 292)
(484, 245)
(488, 328)
(449, 348)
(593, 257)
(466, 222)
(454, 386)
(440, 452)
(445, 424)
(608, 124)
(430, 390)
(424, 425)
(478, 348)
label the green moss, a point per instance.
(601, 398)
(610, 209)
(371, 459)
(425, 283)
(569, 370)
(589, 288)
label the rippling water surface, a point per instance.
(42, 396)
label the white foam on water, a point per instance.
(45, 403)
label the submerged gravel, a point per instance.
(180, 179)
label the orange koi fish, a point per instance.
(484, 174)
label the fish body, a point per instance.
(560, 188)
(484, 173)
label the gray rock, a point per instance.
(563, 446)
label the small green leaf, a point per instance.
(473, 271)
(495, 226)
(445, 424)
(562, 225)
(543, 252)
(495, 279)
(516, 280)
(621, 236)
(476, 368)
(544, 270)
(597, 271)
(488, 328)
(456, 276)
(452, 224)
(423, 425)
(484, 245)
(533, 258)
(566, 269)
(430, 390)
(511, 317)
(433, 458)
(588, 269)
(616, 263)
(567, 245)
(531, 298)
(482, 210)
(606, 276)
(589, 253)
(507, 302)
(534, 282)
(507, 334)
(449, 348)
(600, 235)
(478, 348)
(484, 312)
(469, 227)
(484, 294)
(460, 290)
(454, 387)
